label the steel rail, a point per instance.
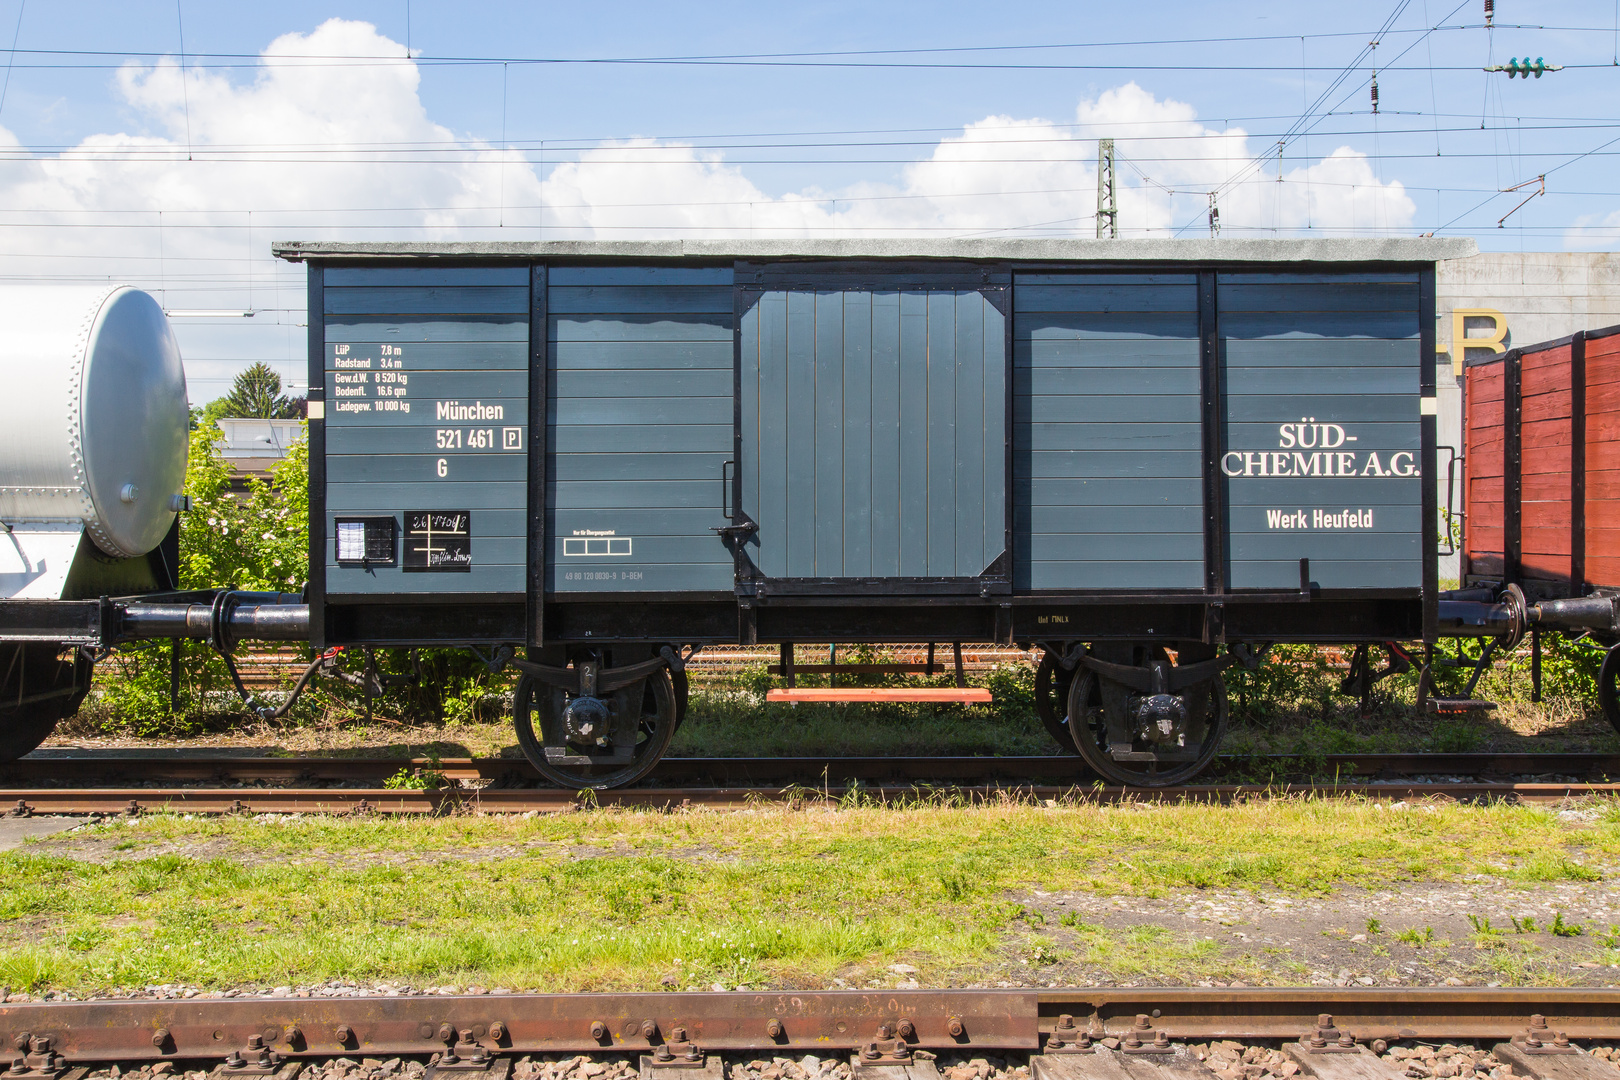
(779, 1021)
(352, 800)
(187, 764)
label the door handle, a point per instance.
(737, 529)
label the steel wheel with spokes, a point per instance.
(537, 715)
(1052, 700)
(50, 690)
(1149, 764)
(1609, 686)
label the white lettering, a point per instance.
(455, 410)
(1308, 466)
(1401, 464)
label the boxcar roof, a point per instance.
(1322, 250)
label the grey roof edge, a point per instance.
(1316, 250)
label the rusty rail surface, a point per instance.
(61, 765)
(779, 1021)
(492, 800)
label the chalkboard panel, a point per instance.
(427, 408)
(1108, 434)
(640, 408)
(1322, 436)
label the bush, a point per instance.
(254, 540)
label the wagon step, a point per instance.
(966, 695)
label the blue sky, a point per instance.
(123, 161)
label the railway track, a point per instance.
(110, 783)
(1535, 1029)
(382, 800)
(70, 766)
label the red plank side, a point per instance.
(1603, 539)
(1544, 567)
(1602, 398)
(1482, 491)
(1607, 348)
(1485, 415)
(1544, 407)
(1602, 570)
(1486, 565)
(1544, 538)
(1541, 460)
(1484, 460)
(1485, 382)
(1544, 373)
(1539, 436)
(1602, 485)
(1601, 514)
(1552, 513)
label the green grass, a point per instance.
(726, 721)
(774, 896)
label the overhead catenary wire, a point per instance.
(16, 33)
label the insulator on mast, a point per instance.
(1375, 95)
(1490, 11)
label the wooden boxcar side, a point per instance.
(1542, 487)
(566, 444)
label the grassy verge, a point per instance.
(777, 896)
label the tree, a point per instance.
(257, 392)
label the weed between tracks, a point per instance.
(778, 896)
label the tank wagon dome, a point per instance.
(96, 415)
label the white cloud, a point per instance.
(312, 150)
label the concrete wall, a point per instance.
(1503, 300)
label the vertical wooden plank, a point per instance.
(970, 455)
(773, 427)
(828, 441)
(997, 450)
(858, 507)
(886, 410)
(941, 434)
(1577, 465)
(1512, 490)
(748, 426)
(914, 430)
(1429, 436)
(800, 448)
(316, 301)
(540, 544)
(1214, 484)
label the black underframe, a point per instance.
(888, 611)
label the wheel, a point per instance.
(571, 765)
(56, 687)
(1151, 764)
(1609, 686)
(1052, 700)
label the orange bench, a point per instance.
(967, 695)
